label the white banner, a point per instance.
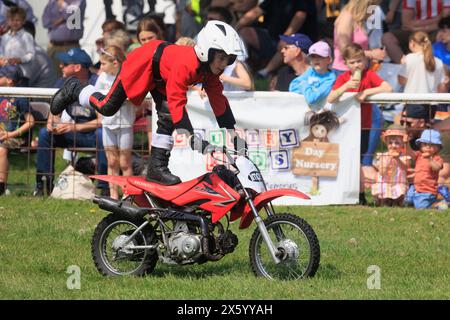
(274, 128)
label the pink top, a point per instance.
(359, 36)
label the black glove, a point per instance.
(200, 145)
(240, 145)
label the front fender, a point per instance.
(264, 198)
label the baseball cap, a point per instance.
(298, 39)
(320, 48)
(12, 72)
(430, 136)
(75, 56)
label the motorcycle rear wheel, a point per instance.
(293, 237)
(110, 262)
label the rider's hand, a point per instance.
(239, 145)
(200, 145)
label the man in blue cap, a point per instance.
(84, 131)
(294, 51)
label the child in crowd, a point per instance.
(421, 72)
(423, 193)
(316, 83)
(15, 122)
(390, 184)
(17, 45)
(441, 48)
(366, 82)
(117, 129)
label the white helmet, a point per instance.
(217, 35)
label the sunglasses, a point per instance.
(406, 123)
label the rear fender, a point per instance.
(263, 199)
(120, 181)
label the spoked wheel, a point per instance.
(297, 245)
(111, 255)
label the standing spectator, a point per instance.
(365, 81)
(294, 57)
(150, 28)
(316, 83)
(30, 18)
(62, 34)
(280, 17)
(423, 193)
(390, 184)
(15, 122)
(417, 15)
(117, 129)
(85, 131)
(350, 28)
(421, 71)
(17, 45)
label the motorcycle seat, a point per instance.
(164, 192)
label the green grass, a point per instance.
(40, 239)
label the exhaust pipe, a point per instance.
(120, 207)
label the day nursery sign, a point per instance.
(316, 159)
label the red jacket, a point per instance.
(178, 68)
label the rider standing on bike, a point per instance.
(166, 71)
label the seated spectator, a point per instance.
(280, 17)
(441, 47)
(30, 18)
(85, 131)
(417, 15)
(316, 83)
(390, 184)
(366, 82)
(294, 57)
(42, 74)
(17, 45)
(16, 120)
(423, 193)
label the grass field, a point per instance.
(40, 239)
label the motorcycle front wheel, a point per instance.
(112, 258)
(297, 244)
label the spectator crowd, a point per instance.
(320, 49)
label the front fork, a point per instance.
(262, 228)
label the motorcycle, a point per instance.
(181, 224)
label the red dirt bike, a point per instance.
(180, 224)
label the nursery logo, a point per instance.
(74, 280)
(374, 280)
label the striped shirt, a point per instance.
(426, 9)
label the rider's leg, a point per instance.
(73, 90)
(162, 144)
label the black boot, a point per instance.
(2, 188)
(157, 170)
(65, 96)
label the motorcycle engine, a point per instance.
(184, 246)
